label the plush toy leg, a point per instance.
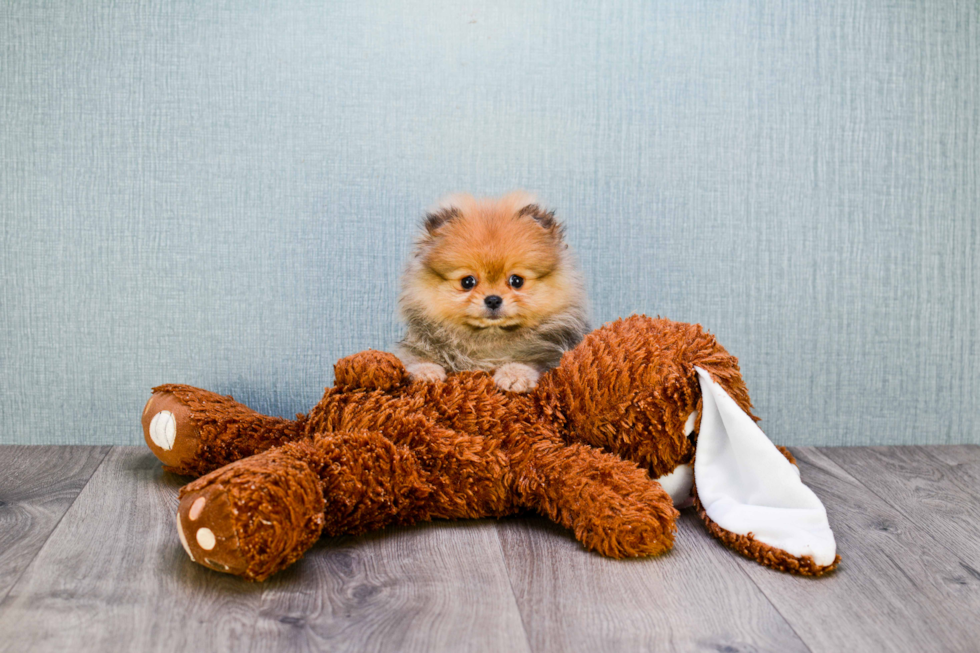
(193, 431)
(611, 504)
(258, 515)
(750, 495)
(252, 517)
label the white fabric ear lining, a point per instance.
(678, 485)
(747, 486)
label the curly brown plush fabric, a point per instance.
(581, 449)
(630, 386)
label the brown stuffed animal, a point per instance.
(583, 449)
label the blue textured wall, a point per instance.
(221, 193)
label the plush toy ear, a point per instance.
(751, 497)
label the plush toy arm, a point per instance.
(611, 504)
(258, 515)
(371, 369)
(749, 493)
(193, 431)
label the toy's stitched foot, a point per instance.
(207, 532)
(252, 517)
(169, 431)
(516, 377)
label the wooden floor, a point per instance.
(90, 561)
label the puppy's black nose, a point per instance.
(493, 302)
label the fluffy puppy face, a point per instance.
(490, 265)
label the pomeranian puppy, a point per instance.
(490, 285)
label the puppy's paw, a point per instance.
(429, 372)
(516, 377)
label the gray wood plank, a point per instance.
(897, 589)
(113, 576)
(964, 463)
(435, 587)
(37, 485)
(955, 454)
(692, 599)
(928, 491)
(113, 572)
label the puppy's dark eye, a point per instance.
(515, 281)
(468, 283)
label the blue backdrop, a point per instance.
(221, 193)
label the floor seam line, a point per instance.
(741, 567)
(510, 584)
(20, 576)
(741, 563)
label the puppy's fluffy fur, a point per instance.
(511, 251)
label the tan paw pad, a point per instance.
(196, 508)
(163, 430)
(205, 538)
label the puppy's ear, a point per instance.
(435, 220)
(544, 218)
